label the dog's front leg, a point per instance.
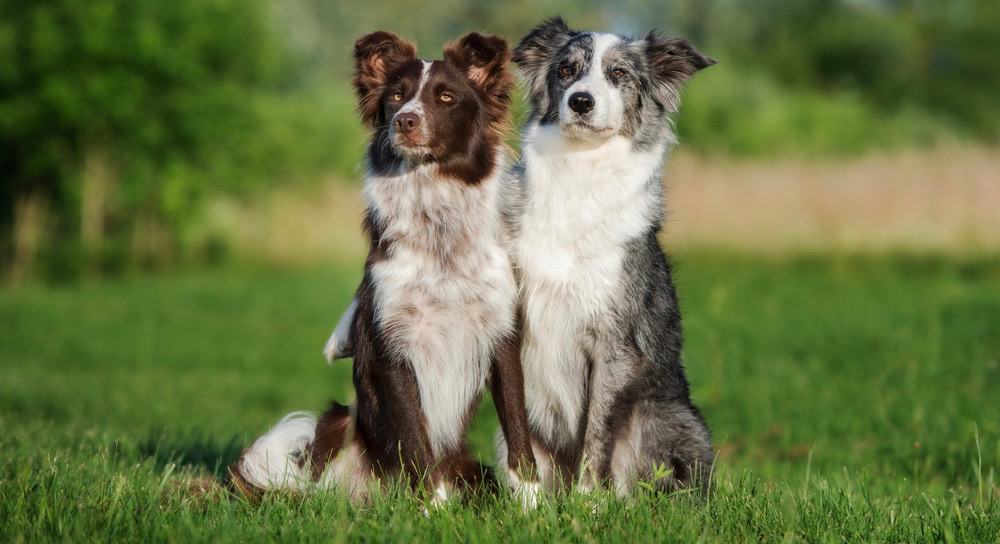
(507, 387)
(408, 443)
(609, 378)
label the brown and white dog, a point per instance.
(435, 317)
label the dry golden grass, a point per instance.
(316, 224)
(946, 199)
(940, 200)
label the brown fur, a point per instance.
(331, 430)
(375, 55)
(464, 101)
(464, 135)
(484, 59)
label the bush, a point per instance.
(120, 114)
(742, 113)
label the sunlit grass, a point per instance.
(851, 398)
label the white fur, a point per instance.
(415, 104)
(446, 318)
(550, 479)
(340, 339)
(272, 461)
(584, 200)
(608, 114)
(527, 493)
(442, 495)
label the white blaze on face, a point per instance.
(608, 114)
(415, 104)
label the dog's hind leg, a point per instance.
(663, 442)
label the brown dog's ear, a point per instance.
(375, 55)
(673, 61)
(484, 60)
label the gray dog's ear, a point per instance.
(672, 61)
(533, 54)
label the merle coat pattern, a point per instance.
(607, 397)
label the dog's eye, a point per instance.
(618, 73)
(446, 98)
(397, 96)
(565, 71)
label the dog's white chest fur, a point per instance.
(583, 203)
(445, 294)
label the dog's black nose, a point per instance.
(407, 122)
(581, 102)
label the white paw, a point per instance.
(585, 488)
(529, 493)
(332, 351)
(339, 344)
(442, 495)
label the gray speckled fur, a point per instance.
(638, 411)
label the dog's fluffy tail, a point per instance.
(280, 459)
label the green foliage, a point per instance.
(851, 398)
(153, 101)
(746, 113)
(813, 77)
(931, 60)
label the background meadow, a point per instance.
(179, 232)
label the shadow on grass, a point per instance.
(192, 450)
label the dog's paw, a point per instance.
(440, 498)
(333, 349)
(529, 495)
(340, 344)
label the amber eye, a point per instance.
(565, 71)
(397, 96)
(446, 98)
(617, 73)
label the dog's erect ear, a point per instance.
(673, 61)
(536, 49)
(375, 55)
(484, 60)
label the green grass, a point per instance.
(851, 398)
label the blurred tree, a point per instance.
(105, 105)
(898, 55)
(958, 69)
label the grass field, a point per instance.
(852, 398)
